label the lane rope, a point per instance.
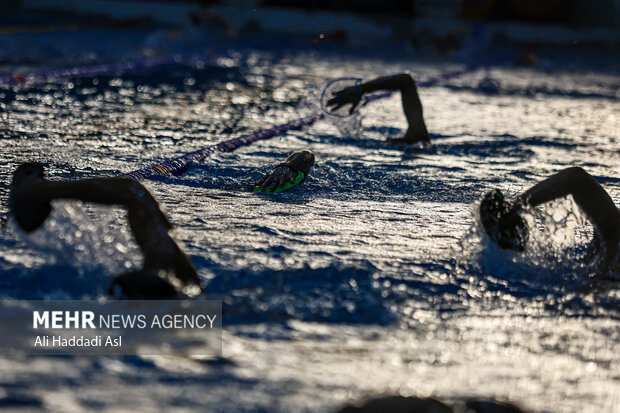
(178, 166)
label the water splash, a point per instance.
(347, 126)
(71, 236)
(553, 260)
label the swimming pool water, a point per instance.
(372, 277)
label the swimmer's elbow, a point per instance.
(133, 187)
(406, 80)
(578, 175)
(576, 171)
(134, 193)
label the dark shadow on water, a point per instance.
(61, 281)
(335, 294)
(505, 145)
(493, 87)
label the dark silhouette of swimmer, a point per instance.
(166, 268)
(296, 162)
(398, 404)
(411, 103)
(588, 194)
(401, 404)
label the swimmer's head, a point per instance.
(502, 222)
(28, 171)
(27, 211)
(304, 158)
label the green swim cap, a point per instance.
(284, 187)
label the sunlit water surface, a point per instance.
(372, 277)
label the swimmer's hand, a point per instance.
(350, 95)
(276, 178)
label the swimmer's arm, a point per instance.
(106, 191)
(588, 194)
(412, 106)
(143, 212)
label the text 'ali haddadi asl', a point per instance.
(75, 341)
